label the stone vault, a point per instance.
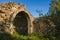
(15, 17)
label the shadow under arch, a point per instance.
(21, 23)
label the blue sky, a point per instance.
(33, 5)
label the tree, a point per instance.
(54, 12)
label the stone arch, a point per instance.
(21, 21)
(8, 14)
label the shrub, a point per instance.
(6, 36)
(33, 36)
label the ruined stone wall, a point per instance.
(15, 17)
(8, 12)
(43, 25)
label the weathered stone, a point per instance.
(43, 25)
(13, 16)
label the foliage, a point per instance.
(6, 36)
(33, 36)
(54, 13)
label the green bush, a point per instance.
(5, 36)
(38, 36)
(33, 36)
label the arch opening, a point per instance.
(20, 22)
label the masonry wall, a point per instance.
(8, 12)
